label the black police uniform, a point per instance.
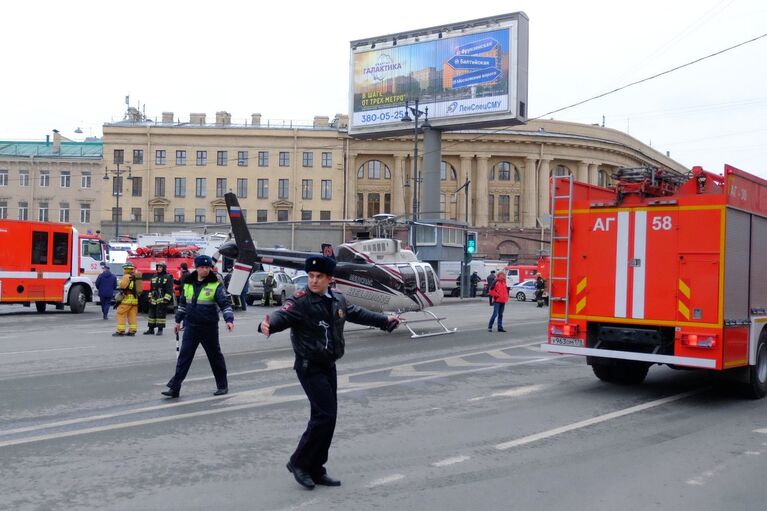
(317, 335)
(160, 297)
(198, 309)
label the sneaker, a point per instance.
(501, 330)
(490, 329)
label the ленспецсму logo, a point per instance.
(452, 107)
(383, 68)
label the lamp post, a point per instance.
(406, 118)
(117, 191)
(465, 267)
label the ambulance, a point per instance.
(661, 269)
(48, 264)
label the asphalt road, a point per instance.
(472, 420)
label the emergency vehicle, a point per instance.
(48, 263)
(145, 260)
(661, 269)
(516, 273)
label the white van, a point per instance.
(449, 271)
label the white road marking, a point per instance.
(46, 349)
(595, 420)
(301, 505)
(231, 402)
(763, 431)
(450, 461)
(385, 480)
(271, 365)
(520, 391)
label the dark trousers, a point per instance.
(473, 291)
(319, 383)
(193, 336)
(497, 312)
(106, 304)
(157, 315)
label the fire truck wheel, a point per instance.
(603, 372)
(76, 299)
(626, 372)
(40, 306)
(757, 385)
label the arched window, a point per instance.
(443, 170)
(504, 171)
(373, 170)
(517, 178)
(561, 170)
(603, 178)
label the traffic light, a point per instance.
(471, 242)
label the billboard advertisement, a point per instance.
(469, 74)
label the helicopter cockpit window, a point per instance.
(345, 255)
(431, 280)
(409, 279)
(421, 277)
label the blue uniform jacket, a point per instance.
(202, 312)
(106, 283)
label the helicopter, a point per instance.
(377, 274)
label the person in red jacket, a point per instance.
(500, 295)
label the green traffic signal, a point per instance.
(471, 243)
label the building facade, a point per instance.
(179, 172)
(55, 181)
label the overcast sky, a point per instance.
(71, 64)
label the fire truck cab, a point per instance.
(48, 263)
(661, 269)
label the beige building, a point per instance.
(57, 180)
(180, 171)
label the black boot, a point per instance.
(159, 331)
(150, 331)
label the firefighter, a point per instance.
(127, 308)
(540, 286)
(160, 296)
(269, 283)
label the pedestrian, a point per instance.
(269, 284)
(500, 295)
(106, 283)
(127, 303)
(490, 284)
(475, 280)
(202, 296)
(540, 287)
(316, 317)
(160, 296)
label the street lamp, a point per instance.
(117, 191)
(406, 118)
(466, 254)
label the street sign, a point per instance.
(476, 77)
(477, 47)
(472, 62)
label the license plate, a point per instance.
(567, 341)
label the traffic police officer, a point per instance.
(201, 293)
(160, 296)
(316, 317)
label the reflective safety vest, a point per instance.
(207, 294)
(128, 287)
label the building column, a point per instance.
(460, 204)
(583, 172)
(398, 192)
(481, 191)
(593, 177)
(351, 186)
(529, 199)
(544, 188)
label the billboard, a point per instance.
(468, 74)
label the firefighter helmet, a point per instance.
(128, 268)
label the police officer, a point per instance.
(160, 296)
(316, 317)
(127, 309)
(202, 295)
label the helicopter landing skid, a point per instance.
(431, 318)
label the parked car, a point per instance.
(283, 287)
(523, 291)
(301, 281)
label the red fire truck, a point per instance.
(661, 269)
(145, 259)
(48, 263)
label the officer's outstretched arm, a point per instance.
(362, 316)
(289, 315)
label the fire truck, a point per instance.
(145, 259)
(661, 269)
(48, 263)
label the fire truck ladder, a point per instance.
(559, 237)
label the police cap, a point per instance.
(203, 260)
(321, 264)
